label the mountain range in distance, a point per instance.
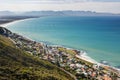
(56, 13)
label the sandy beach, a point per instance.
(13, 22)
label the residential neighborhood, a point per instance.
(65, 58)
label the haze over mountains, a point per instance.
(56, 13)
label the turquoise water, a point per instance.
(99, 36)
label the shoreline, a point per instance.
(15, 21)
(83, 56)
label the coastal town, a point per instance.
(59, 39)
(67, 59)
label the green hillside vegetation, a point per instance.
(18, 65)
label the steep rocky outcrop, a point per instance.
(5, 32)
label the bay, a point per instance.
(99, 36)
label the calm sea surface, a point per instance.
(99, 36)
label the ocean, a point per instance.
(99, 36)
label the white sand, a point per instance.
(13, 22)
(87, 58)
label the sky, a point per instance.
(107, 6)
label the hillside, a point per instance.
(18, 65)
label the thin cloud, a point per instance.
(43, 1)
(67, 1)
(62, 1)
(58, 5)
(54, 1)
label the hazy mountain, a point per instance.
(57, 13)
(70, 13)
(5, 13)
